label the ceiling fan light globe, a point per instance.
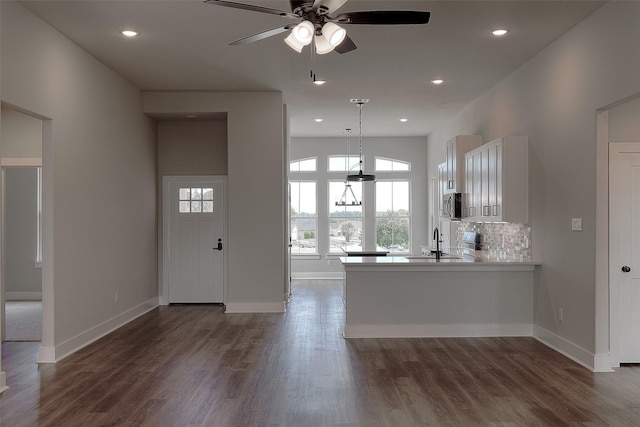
(303, 32)
(334, 33)
(322, 45)
(293, 43)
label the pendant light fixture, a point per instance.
(348, 191)
(360, 176)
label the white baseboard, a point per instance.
(23, 296)
(603, 363)
(255, 307)
(567, 348)
(318, 275)
(438, 331)
(70, 346)
(3, 382)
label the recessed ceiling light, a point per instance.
(403, 120)
(318, 120)
(499, 32)
(130, 33)
(437, 81)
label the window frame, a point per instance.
(315, 253)
(331, 204)
(408, 216)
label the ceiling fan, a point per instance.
(321, 26)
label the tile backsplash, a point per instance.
(505, 240)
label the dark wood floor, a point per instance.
(192, 365)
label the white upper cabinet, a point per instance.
(456, 149)
(497, 178)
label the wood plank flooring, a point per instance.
(193, 365)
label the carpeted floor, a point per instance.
(23, 320)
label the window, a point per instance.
(345, 222)
(393, 215)
(304, 165)
(343, 163)
(304, 218)
(196, 200)
(391, 165)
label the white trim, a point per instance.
(70, 346)
(565, 347)
(163, 246)
(305, 256)
(438, 330)
(3, 382)
(20, 161)
(23, 296)
(317, 275)
(256, 307)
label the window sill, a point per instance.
(305, 256)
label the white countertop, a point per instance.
(420, 263)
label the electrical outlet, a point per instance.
(576, 224)
(561, 314)
(116, 298)
(328, 262)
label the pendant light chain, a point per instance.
(361, 177)
(360, 133)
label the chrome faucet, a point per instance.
(436, 237)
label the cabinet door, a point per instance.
(442, 186)
(476, 207)
(467, 200)
(491, 207)
(451, 167)
(497, 205)
(485, 207)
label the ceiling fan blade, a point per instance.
(347, 45)
(262, 35)
(329, 5)
(384, 17)
(252, 8)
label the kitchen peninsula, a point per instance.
(393, 297)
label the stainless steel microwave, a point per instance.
(452, 206)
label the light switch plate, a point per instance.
(576, 224)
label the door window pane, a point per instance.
(190, 200)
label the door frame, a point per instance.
(163, 240)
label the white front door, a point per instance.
(196, 244)
(624, 264)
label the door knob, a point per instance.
(626, 269)
(219, 247)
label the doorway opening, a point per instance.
(22, 252)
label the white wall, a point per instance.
(553, 99)
(409, 149)
(192, 148)
(20, 135)
(256, 189)
(624, 122)
(99, 167)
